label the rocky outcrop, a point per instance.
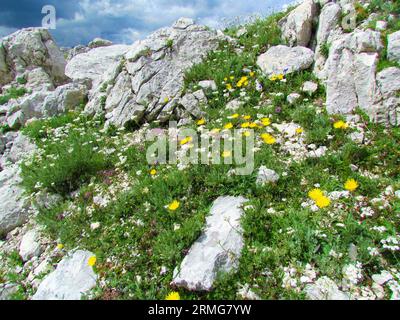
(28, 49)
(297, 26)
(325, 289)
(217, 249)
(393, 53)
(72, 279)
(98, 42)
(284, 60)
(93, 65)
(148, 83)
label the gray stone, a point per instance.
(217, 249)
(309, 87)
(393, 53)
(30, 245)
(382, 277)
(72, 279)
(284, 60)
(234, 105)
(38, 80)
(266, 176)
(325, 289)
(13, 205)
(297, 25)
(7, 290)
(208, 84)
(381, 25)
(151, 75)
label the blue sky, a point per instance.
(124, 21)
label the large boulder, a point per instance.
(30, 245)
(329, 21)
(72, 279)
(217, 249)
(393, 53)
(297, 26)
(148, 83)
(350, 72)
(13, 205)
(284, 60)
(94, 64)
(30, 48)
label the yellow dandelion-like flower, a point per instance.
(92, 261)
(351, 185)
(174, 205)
(234, 116)
(323, 202)
(247, 117)
(229, 86)
(252, 74)
(253, 125)
(228, 126)
(245, 124)
(299, 130)
(266, 122)
(173, 296)
(186, 140)
(60, 246)
(215, 130)
(226, 154)
(340, 125)
(247, 133)
(315, 194)
(280, 76)
(153, 172)
(166, 100)
(268, 139)
(201, 122)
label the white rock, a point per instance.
(293, 98)
(72, 279)
(297, 25)
(284, 60)
(309, 87)
(381, 25)
(30, 245)
(325, 289)
(208, 84)
(38, 80)
(393, 53)
(217, 249)
(266, 176)
(7, 290)
(382, 278)
(234, 105)
(183, 23)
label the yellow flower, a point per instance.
(226, 154)
(228, 126)
(201, 122)
(265, 122)
(340, 125)
(231, 77)
(252, 74)
(315, 194)
(246, 117)
(166, 100)
(351, 185)
(229, 86)
(92, 261)
(268, 139)
(245, 124)
(280, 76)
(253, 125)
(299, 130)
(234, 116)
(60, 246)
(215, 130)
(173, 296)
(225, 79)
(153, 172)
(323, 202)
(186, 140)
(174, 205)
(246, 133)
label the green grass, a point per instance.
(12, 93)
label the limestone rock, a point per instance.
(14, 206)
(325, 289)
(98, 42)
(94, 64)
(38, 80)
(293, 98)
(297, 25)
(30, 245)
(284, 60)
(217, 249)
(393, 53)
(208, 84)
(309, 87)
(266, 176)
(72, 279)
(147, 85)
(34, 47)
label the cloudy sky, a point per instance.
(124, 21)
